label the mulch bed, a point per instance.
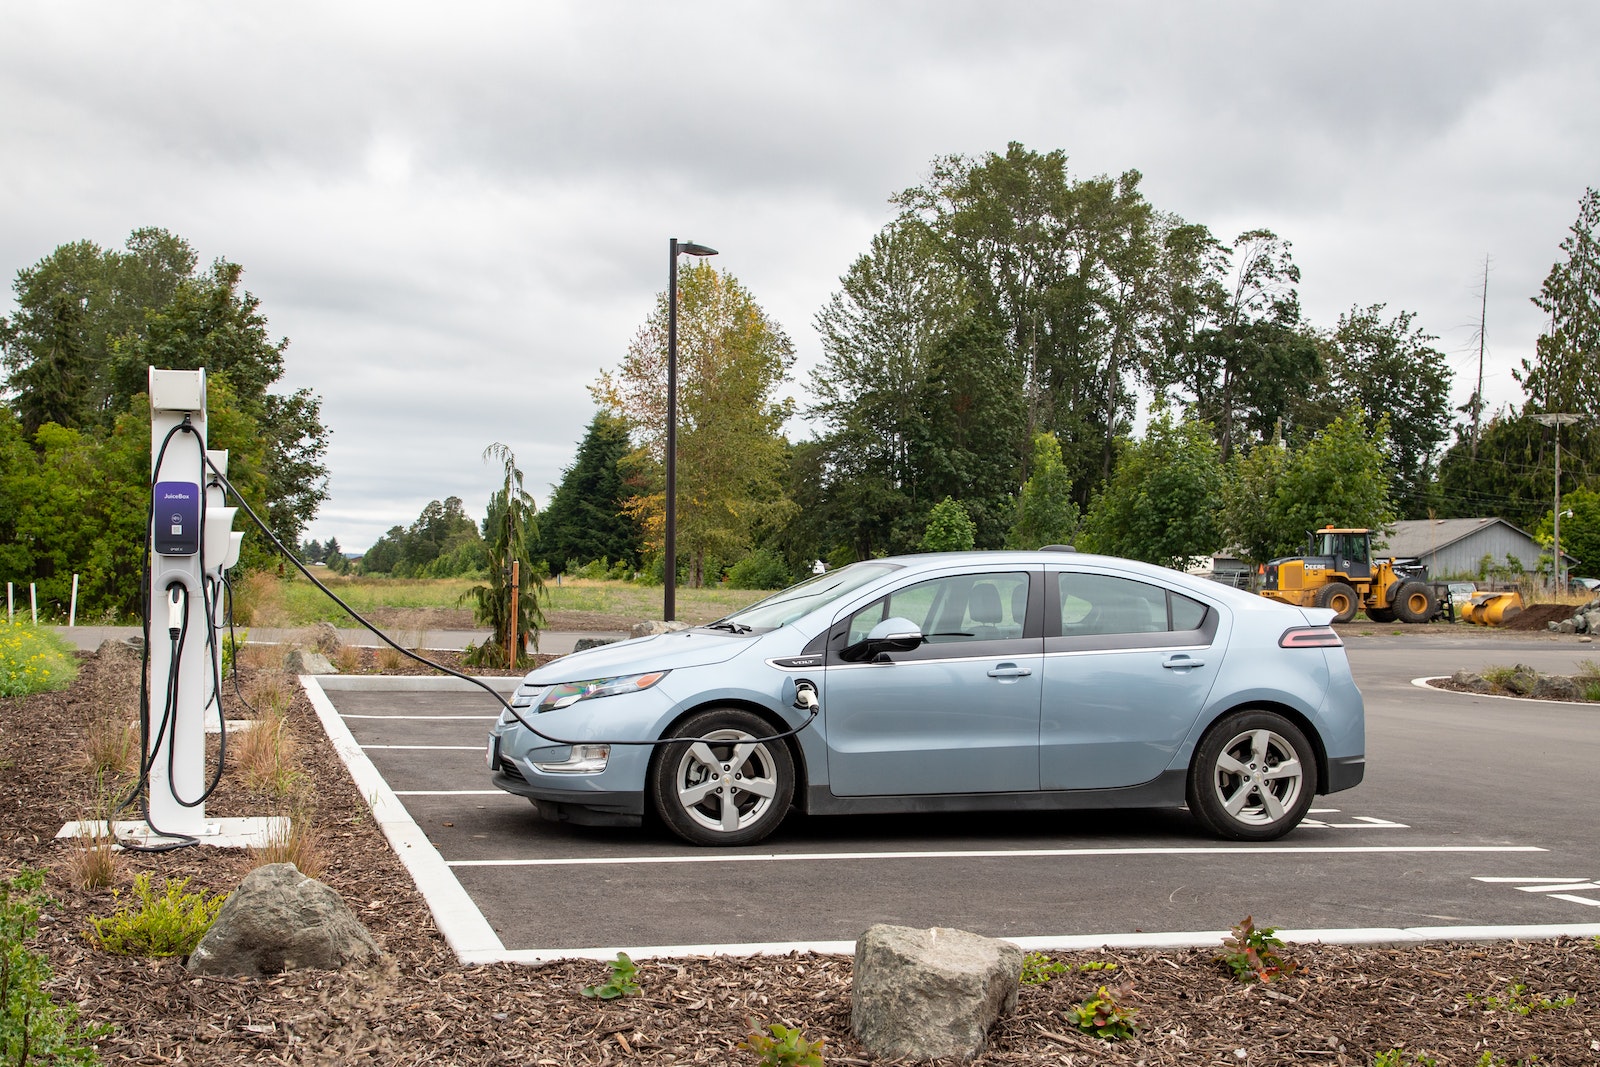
(1345, 1005)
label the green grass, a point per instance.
(33, 660)
(297, 602)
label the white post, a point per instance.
(177, 398)
(72, 612)
(11, 607)
(33, 597)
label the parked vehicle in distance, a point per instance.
(978, 681)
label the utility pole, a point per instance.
(1483, 326)
(1558, 420)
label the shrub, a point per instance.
(621, 983)
(1252, 953)
(170, 924)
(33, 1028)
(761, 569)
(33, 661)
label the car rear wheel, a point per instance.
(1253, 777)
(727, 788)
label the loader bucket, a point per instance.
(1492, 609)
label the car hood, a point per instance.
(663, 652)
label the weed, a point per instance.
(1037, 968)
(259, 600)
(620, 984)
(231, 643)
(348, 659)
(298, 843)
(783, 1046)
(1489, 1059)
(33, 660)
(1101, 1016)
(33, 1028)
(1519, 1002)
(390, 659)
(1253, 954)
(1588, 668)
(170, 924)
(109, 745)
(93, 863)
(266, 755)
(1497, 676)
(1397, 1058)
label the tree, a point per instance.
(509, 529)
(1067, 272)
(732, 359)
(1391, 368)
(1249, 518)
(586, 519)
(1580, 530)
(1564, 375)
(442, 542)
(949, 528)
(1046, 513)
(1339, 478)
(1161, 503)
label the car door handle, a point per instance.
(1010, 671)
(1177, 662)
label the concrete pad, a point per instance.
(219, 833)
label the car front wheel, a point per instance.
(1253, 777)
(728, 787)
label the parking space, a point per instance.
(1399, 854)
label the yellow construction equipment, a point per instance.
(1338, 572)
(1492, 609)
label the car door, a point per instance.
(957, 714)
(1128, 666)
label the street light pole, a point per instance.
(1558, 420)
(669, 607)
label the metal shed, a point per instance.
(1455, 546)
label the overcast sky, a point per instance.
(459, 213)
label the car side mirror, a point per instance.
(890, 635)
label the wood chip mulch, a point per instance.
(1344, 1005)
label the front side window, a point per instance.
(958, 608)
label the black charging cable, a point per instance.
(811, 705)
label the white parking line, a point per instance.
(430, 748)
(426, 718)
(997, 853)
(1558, 888)
(454, 793)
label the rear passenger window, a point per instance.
(1103, 604)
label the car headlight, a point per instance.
(566, 694)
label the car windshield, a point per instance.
(785, 607)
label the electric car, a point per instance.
(978, 681)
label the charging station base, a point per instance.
(219, 833)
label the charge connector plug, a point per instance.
(174, 611)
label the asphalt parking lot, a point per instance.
(1476, 815)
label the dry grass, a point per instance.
(299, 844)
(260, 656)
(390, 659)
(267, 753)
(348, 659)
(110, 745)
(92, 863)
(259, 600)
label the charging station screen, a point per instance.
(177, 518)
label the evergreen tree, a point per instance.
(586, 519)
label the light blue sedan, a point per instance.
(978, 681)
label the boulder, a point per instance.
(652, 627)
(280, 920)
(1566, 626)
(299, 661)
(325, 638)
(584, 643)
(1475, 683)
(929, 994)
(1557, 687)
(1592, 618)
(1522, 681)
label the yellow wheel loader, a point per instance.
(1338, 572)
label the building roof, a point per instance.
(1420, 537)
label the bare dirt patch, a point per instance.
(1343, 1006)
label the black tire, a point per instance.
(1414, 603)
(713, 802)
(1380, 614)
(1341, 598)
(1259, 764)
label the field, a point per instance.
(290, 602)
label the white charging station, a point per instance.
(193, 545)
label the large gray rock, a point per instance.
(280, 920)
(583, 644)
(652, 627)
(1557, 687)
(299, 661)
(927, 994)
(1592, 618)
(1476, 683)
(325, 638)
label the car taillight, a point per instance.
(1310, 637)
